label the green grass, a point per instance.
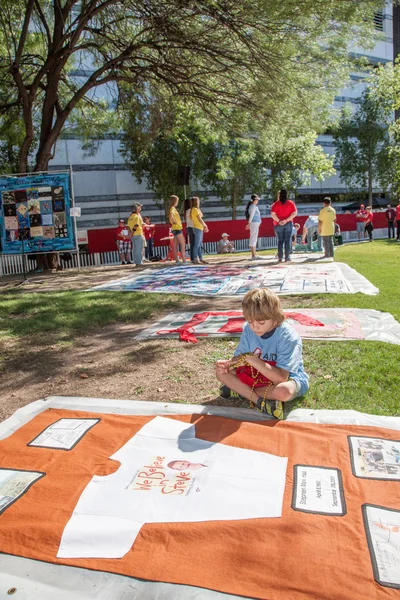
(67, 314)
(379, 263)
(357, 375)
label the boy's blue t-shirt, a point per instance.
(284, 347)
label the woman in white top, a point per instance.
(253, 217)
(189, 226)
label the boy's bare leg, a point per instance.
(280, 391)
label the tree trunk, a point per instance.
(370, 186)
(234, 198)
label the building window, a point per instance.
(378, 20)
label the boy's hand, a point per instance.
(223, 366)
(255, 362)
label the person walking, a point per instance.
(135, 224)
(368, 224)
(199, 229)
(326, 227)
(123, 241)
(253, 217)
(177, 230)
(189, 226)
(310, 228)
(283, 212)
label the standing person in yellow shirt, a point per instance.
(199, 228)
(135, 224)
(177, 230)
(326, 226)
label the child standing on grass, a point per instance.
(267, 367)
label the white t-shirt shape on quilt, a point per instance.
(167, 475)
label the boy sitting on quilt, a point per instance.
(267, 367)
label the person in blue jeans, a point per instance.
(283, 212)
(199, 228)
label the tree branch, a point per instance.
(24, 32)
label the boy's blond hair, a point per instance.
(262, 305)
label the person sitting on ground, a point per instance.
(267, 367)
(225, 246)
(295, 231)
(123, 241)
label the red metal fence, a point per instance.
(103, 240)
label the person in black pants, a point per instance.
(369, 227)
(398, 220)
(390, 214)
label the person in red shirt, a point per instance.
(149, 231)
(390, 214)
(123, 241)
(361, 215)
(368, 223)
(283, 212)
(398, 220)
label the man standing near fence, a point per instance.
(326, 227)
(361, 216)
(390, 214)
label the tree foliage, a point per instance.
(385, 90)
(251, 54)
(363, 143)
(230, 158)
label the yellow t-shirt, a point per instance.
(327, 216)
(196, 214)
(135, 219)
(175, 216)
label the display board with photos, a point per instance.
(35, 211)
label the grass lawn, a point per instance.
(363, 376)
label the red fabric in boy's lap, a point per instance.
(245, 375)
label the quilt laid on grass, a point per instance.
(313, 323)
(315, 507)
(227, 280)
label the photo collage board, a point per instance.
(35, 211)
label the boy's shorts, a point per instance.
(301, 388)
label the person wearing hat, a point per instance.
(135, 224)
(361, 216)
(123, 241)
(224, 245)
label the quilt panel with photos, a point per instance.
(34, 211)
